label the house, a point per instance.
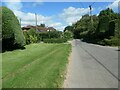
(38, 28)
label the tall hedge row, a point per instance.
(12, 35)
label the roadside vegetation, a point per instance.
(13, 37)
(103, 29)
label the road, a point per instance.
(92, 66)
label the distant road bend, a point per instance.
(92, 66)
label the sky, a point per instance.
(55, 14)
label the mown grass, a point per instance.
(37, 66)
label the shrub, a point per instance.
(112, 42)
(68, 35)
(31, 36)
(48, 35)
(27, 37)
(12, 35)
(54, 34)
(55, 40)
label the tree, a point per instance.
(42, 25)
(12, 35)
(68, 35)
(68, 28)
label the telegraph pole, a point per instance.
(91, 14)
(36, 20)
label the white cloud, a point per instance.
(114, 5)
(55, 24)
(60, 28)
(72, 14)
(31, 17)
(14, 5)
(58, 25)
(37, 4)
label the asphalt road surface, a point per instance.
(92, 66)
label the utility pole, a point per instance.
(36, 20)
(91, 14)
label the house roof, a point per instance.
(40, 29)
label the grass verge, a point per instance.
(37, 66)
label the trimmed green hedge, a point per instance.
(55, 40)
(51, 34)
(12, 35)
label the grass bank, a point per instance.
(37, 66)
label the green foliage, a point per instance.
(113, 41)
(55, 40)
(103, 25)
(117, 26)
(31, 36)
(0, 23)
(99, 29)
(54, 34)
(12, 35)
(51, 34)
(27, 37)
(43, 35)
(76, 33)
(111, 31)
(68, 28)
(33, 39)
(108, 12)
(68, 35)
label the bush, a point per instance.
(54, 34)
(55, 40)
(31, 36)
(111, 28)
(68, 35)
(12, 35)
(43, 35)
(111, 42)
(49, 35)
(27, 37)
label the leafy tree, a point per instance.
(42, 25)
(69, 28)
(33, 35)
(68, 35)
(104, 26)
(12, 35)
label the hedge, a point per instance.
(55, 40)
(12, 35)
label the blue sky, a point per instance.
(56, 14)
